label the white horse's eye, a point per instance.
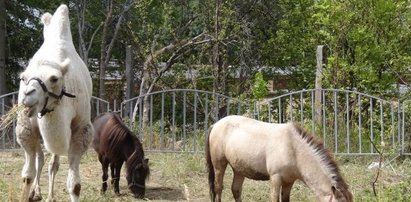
(54, 79)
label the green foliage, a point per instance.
(260, 86)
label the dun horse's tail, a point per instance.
(210, 167)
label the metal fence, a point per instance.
(349, 122)
(7, 101)
(177, 120)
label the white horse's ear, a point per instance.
(64, 65)
(46, 19)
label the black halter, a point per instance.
(58, 97)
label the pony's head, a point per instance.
(136, 176)
(42, 86)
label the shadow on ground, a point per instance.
(164, 193)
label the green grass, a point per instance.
(176, 177)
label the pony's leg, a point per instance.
(73, 177)
(116, 178)
(53, 168)
(275, 187)
(236, 186)
(104, 167)
(286, 191)
(219, 171)
(35, 193)
(113, 172)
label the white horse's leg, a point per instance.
(28, 173)
(275, 188)
(35, 193)
(28, 141)
(236, 186)
(80, 141)
(73, 178)
(53, 168)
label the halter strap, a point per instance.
(44, 111)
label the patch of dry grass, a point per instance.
(178, 177)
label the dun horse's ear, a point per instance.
(334, 190)
(46, 18)
(65, 65)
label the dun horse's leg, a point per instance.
(73, 178)
(275, 187)
(286, 191)
(104, 167)
(236, 186)
(53, 168)
(35, 193)
(219, 175)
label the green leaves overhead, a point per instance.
(367, 41)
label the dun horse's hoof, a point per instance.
(51, 200)
(35, 197)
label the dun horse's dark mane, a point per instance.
(326, 158)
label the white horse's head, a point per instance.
(42, 83)
(42, 86)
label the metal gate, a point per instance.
(349, 122)
(7, 135)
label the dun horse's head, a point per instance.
(136, 177)
(338, 196)
(42, 86)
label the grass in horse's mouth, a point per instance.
(7, 119)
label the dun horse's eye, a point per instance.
(54, 79)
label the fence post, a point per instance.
(318, 83)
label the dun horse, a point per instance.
(281, 153)
(115, 144)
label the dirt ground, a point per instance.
(183, 177)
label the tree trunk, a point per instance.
(3, 88)
(216, 61)
(129, 77)
(318, 83)
(103, 48)
(80, 6)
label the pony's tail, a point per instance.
(210, 167)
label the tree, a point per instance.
(106, 48)
(367, 43)
(3, 88)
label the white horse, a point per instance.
(55, 90)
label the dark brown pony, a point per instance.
(115, 144)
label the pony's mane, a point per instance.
(326, 158)
(125, 135)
